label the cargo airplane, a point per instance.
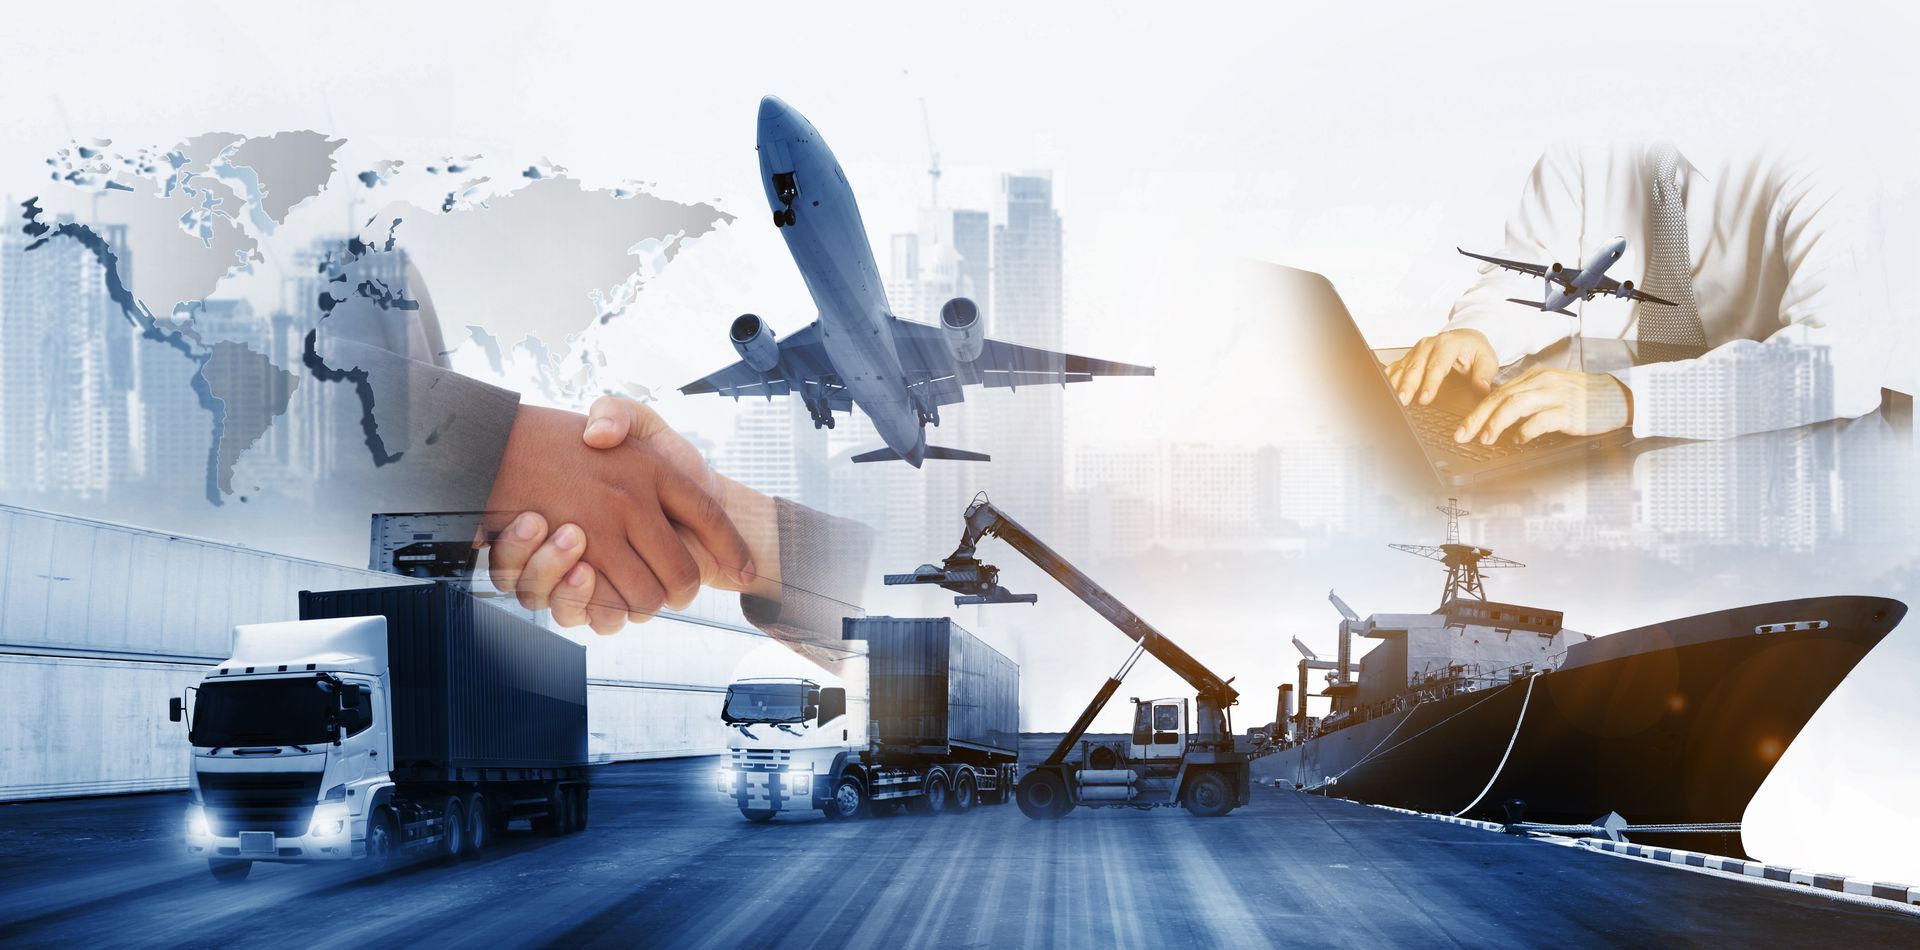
(857, 353)
(1565, 286)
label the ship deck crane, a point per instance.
(1204, 770)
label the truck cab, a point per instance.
(289, 744)
(787, 736)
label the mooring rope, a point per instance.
(1517, 720)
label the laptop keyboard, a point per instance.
(1436, 426)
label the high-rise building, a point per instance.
(760, 454)
(944, 259)
(1026, 429)
(66, 370)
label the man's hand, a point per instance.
(641, 514)
(1417, 375)
(546, 573)
(1550, 400)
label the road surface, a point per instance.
(666, 863)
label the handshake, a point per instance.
(643, 522)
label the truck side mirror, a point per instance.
(174, 709)
(833, 704)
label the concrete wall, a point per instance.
(100, 624)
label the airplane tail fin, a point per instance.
(1540, 306)
(933, 452)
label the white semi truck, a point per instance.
(385, 721)
(928, 719)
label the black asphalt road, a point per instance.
(666, 863)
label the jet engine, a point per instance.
(754, 340)
(960, 323)
(1555, 269)
(1624, 290)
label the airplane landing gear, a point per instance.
(785, 189)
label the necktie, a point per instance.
(1669, 333)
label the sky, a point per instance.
(1362, 147)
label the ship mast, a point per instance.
(1464, 561)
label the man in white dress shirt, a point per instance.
(1755, 254)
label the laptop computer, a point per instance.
(1422, 436)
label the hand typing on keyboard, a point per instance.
(1542, 400)
(1416, 377)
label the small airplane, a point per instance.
(898, 372)
(1565, 286)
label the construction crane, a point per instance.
(933, 154)
(1464, 561)
(1173, 759)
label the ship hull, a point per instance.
(1674, 723)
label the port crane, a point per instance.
(1174, 759)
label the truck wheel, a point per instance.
(580, 793)
(453, 829)
(479, 825)
(1208, 796)
(383, 839)
(758, 816)
(849, 799)
(553, 824)
(933, 796)
(1043, 796)
(962, 799)
(228, 872)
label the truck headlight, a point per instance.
(800, 783)
(725, 778)
(197, 822)
(329, 821)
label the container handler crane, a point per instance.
(1174, 758)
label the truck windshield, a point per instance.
(262, 712)
(766, 702)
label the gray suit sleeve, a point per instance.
(429, 439)
(823, 570)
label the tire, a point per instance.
(228, 872)
(964, 794)
(383, 841)
(553, 824)
(1043, 796)
(479, 825)
(849, 799)
(933, 796)
(779, 220)
(1208, 796)
(758, 816)
(453, 829)
(580, 796)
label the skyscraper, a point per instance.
(66, 370)
(1026, 427)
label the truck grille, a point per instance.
(768, 759)
(280, 802)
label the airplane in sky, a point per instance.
(857, 353)
(1565, 286)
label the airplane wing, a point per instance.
(1611, 287)
(1518, 267)
(933, 372)
(803, 363)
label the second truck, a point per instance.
(928, 719)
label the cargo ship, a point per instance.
(1497, 711)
